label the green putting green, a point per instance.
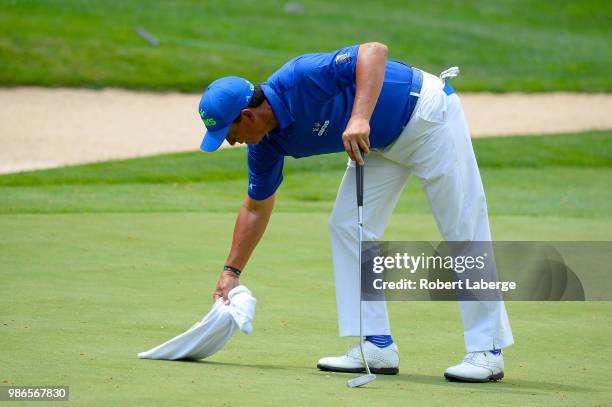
(94, 272)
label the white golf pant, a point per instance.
(435, 146)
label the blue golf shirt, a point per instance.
(312, 99)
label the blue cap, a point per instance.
(221, 104)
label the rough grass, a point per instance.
(587, 150)
(558, 175)
(501, 46)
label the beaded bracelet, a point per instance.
(231, 269)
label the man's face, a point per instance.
(244, 131)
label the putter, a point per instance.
(368, 377)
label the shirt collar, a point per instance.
(283, 116)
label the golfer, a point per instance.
(406, 122)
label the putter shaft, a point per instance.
(368, 377)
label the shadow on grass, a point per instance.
(504, 386)
(245, 365)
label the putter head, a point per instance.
(361, 380)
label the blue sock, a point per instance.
(382, 341)
(495, 351)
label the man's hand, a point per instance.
(369, 78)
(227, 281)
(356, 137)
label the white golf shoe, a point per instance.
(477, 367)
(380, 360)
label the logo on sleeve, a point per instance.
(343, 58)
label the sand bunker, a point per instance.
(45, 128)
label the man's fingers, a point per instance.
(348, 149)
(355, 145)
(364, 144)
(356, 153)
(224, 295)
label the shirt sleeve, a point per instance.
(325, 75)
(265, 170)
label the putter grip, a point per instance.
(359, 178)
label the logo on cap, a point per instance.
(207, 122)
(220, 104)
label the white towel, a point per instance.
(209, 335)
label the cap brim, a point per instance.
(213, 139)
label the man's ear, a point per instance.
(248, 114)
